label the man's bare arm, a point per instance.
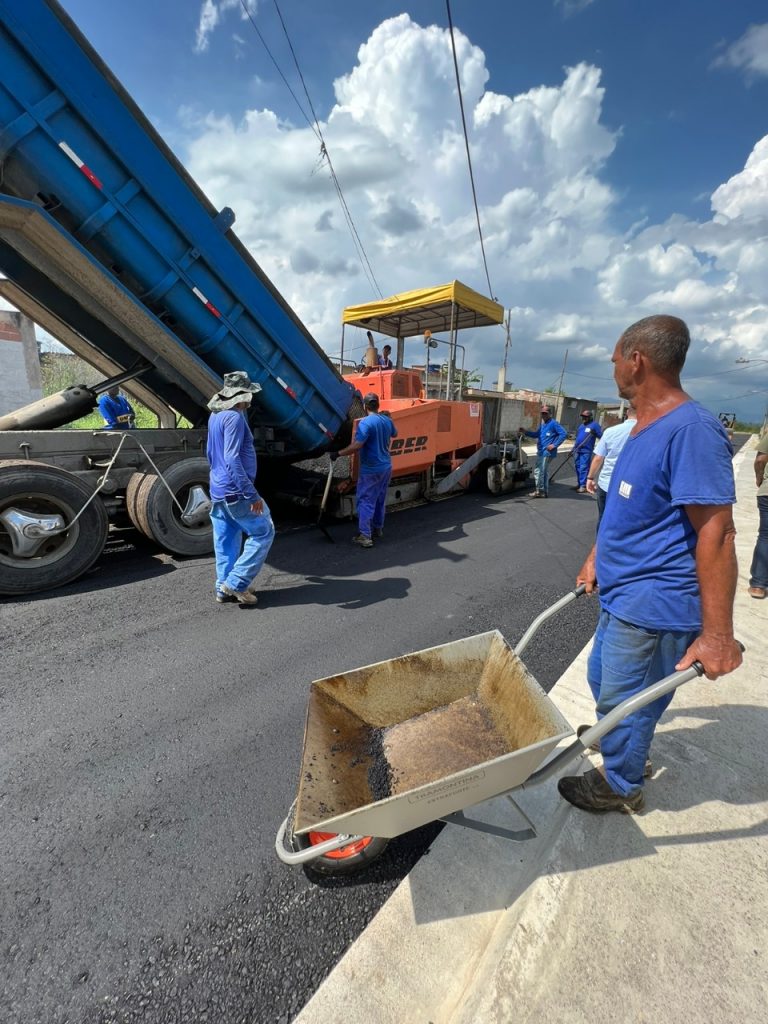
(761, 461)
(586, 573)
(716, 568)
(594, 472)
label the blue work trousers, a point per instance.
(581, 461)
(625, 660)
(238, 563)
(372, 500)
(541, 473)
(759, 569)
(600, 494)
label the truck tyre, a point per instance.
(156, 515)
(37, 488)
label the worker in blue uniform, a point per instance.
(589, 431)
(242, 523)
(549, 436)
(117, 410)
(372, 439)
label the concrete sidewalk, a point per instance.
(657, 917)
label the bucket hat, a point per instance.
(238, 387)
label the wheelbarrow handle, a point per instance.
(527, 636)
(612, 719)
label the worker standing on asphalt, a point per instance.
(372, 437)
(549, 436)
(117, 410)
(665, 558)
(589, 431)
(607, 452)
(237, 510)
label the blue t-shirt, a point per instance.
(646, 546)
(586, 436)
(116, 410)
(232, 456)
(375, 431)
(548, 433)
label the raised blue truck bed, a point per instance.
(107, 231)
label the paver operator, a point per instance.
(589, 431)
(549, 436)
(372, 437)
(664, 558)
(237, 510)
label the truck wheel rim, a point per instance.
(55, 547)
(351, 850)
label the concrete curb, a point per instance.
(484, 930)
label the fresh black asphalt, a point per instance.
(150, 743)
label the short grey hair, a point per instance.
(664, 340)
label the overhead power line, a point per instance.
(466, 146)
(314, 124)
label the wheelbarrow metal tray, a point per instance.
(394, 745)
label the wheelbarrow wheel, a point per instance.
(346, 861)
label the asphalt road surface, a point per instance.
(150, 743)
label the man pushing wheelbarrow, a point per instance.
(664, 558)
(391, 746)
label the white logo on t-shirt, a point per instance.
(625, 489)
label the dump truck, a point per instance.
(108, 243)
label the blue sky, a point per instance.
(633, 183)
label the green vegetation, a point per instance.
(746, 428)
(62, 370)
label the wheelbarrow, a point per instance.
(395, 745)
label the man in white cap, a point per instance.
(237, 510)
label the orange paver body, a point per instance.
(430, 431)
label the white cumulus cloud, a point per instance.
(211, 15)
(749, 53)
(549, 214)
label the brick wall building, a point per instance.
(20, 380)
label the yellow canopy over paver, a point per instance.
(439, 309)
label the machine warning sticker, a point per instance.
(474, 409)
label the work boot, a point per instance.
(758, 592)
(378, 531)
(591, 792)
(241, 596)
(362, 541)
(595, 749)
(581, 490)
(222, 598)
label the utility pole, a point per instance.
(560, 386)
(506, 352)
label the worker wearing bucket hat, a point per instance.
(237, 511)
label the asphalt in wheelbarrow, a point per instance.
(451, 723)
